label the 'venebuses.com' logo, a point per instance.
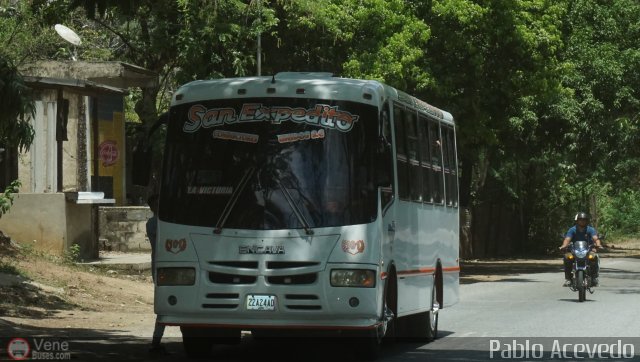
(18, 349)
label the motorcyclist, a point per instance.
(582, 231)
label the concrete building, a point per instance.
(78, 158)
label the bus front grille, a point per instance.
(302, 302)
(223, 278)
(290, 264)
(236, 264)
(222, 301)
(297, 279)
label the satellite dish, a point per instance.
(68, 34)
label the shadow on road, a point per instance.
(98, 345)
(30, 301)
(502, 270)
(575, 300)
(84, 344)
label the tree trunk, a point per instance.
(146, 106)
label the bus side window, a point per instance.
(401, 152)
(435, 145)
(450, 172)
(415, 179)
(425, 160)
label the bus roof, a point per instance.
(316, 85)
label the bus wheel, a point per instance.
(371, 343)
(432, 326)
(422, 327)
(389, 312)
(196, 342)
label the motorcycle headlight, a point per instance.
(581, 253)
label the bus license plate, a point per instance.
(261, 302)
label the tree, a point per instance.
(179, 40)
(544, 92)
(337, 36)
(17, 105)
(15, 130)
(495, 67)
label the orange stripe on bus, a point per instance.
(451, 269)
(420, 271)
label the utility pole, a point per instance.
(259, 50)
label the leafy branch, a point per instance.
(6, 198)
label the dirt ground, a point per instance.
(54, 297)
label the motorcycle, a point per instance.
(581, 280)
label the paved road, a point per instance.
(535, 305)
(535, 308)
(502, 315)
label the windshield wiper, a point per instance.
(296, 211)
(234, 198)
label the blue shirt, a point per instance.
(586, 234)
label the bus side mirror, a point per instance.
(141, 170)
(384, 171)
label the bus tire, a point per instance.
(391, 303)
(415, 327)
(422, 327)
(370, 345)
(432, 315)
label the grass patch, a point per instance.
(8, 267)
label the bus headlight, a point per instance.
(176, 276)
(353, 278)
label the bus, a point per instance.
(305, 202)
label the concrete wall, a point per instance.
(51, 224)
(38, 166)
(123, 228)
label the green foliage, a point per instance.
(6, 198)
(620, 213)
(8, 266)
(72, 255)
(546, 94)
(23, 36)
(392, 53)
(603, 47)
(16, 105)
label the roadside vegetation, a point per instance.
(546, 94)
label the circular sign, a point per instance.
(108, 153)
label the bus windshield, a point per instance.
(270, 164)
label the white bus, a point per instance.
(304, 201)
